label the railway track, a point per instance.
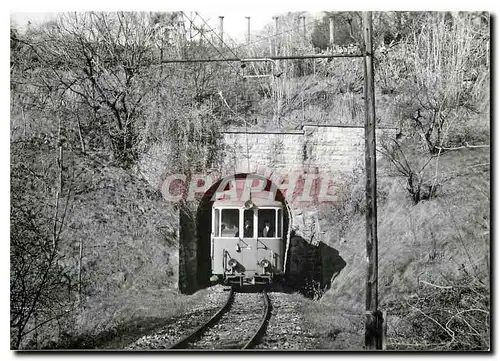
(238, 324)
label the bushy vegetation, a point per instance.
(433, 193)
(95, 113)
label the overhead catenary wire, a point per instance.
(220, 91)
(237, 58)
(290, 57)
(227, 105)
(236, 55)
(217, 35)
(202, 34)
(242, 60)
(289, 30)
(227, 46)
(294, 28)
(224, 44)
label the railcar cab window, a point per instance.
(230, 223)
(280, 223)
(267, 223)
(216, 222)
(248, 216)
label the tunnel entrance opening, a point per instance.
(195, 236)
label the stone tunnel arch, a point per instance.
(194, 245)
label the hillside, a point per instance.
(434, 259)
(98, 121)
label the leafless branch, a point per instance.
(467, 145)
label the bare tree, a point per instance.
(443, 76)
(41, 289)
(419, 185)
(106, 62)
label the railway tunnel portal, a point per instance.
(305, 164)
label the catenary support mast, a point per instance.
(373, 326)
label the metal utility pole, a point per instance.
(303, 19)
(373, 325)
(276, 43)
(221, 30)
(332, 35)
(248, 29)
(277, 89)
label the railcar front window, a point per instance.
(230, 222)
(248, 223)
(267, 223)
(280, 220)
(216, 229)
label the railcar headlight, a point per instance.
(232, 263)
(264, 263)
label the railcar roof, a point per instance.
(259, 202)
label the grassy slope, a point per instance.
(438, 241)
(124, 317)
(129, 237)
(130, 262)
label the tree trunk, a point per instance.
(80, 271)
(82, 143)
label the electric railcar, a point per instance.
(247, 241)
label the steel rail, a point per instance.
(263, 324)
(200, 330)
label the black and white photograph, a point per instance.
(250, 180)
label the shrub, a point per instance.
(454, 316)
